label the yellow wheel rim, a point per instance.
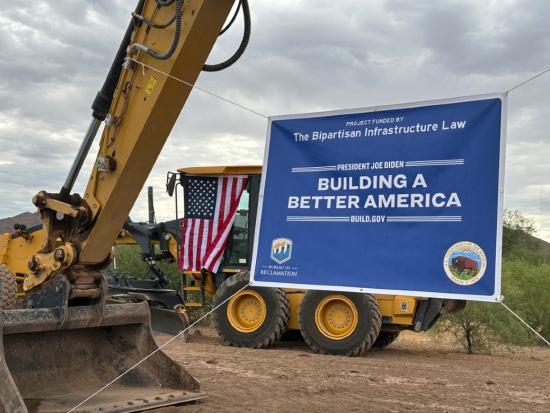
(246, 311)
(336, 317)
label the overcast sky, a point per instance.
(303, 56)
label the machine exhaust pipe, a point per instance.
(45, 368)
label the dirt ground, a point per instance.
(416, 373)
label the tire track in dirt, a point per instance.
(410, 375)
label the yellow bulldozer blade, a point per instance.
(47, 366)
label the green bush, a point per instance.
(128, 260)
(526, 290)
(469, 327)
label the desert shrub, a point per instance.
(470, 327)
(128, 260)
(525, 286)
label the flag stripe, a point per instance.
(181, 262)
(216, 215)
(188, 237)
(220, 241)
(194, 235)
(198, 252)
(208, 221)
(214, 260)
(214, 256)
(209, 233)
(190, 249)
(213, 248)
(220, 213)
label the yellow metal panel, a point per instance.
(19, 250)
(386, 305)
(232, 270)
(192, 275)
(125, 238)
(402, 320)
(150, 86)
(399, 308)
(4, 239)
(294, 299)
(210, 286)
(173, 246)
(404, 305)
(223, 170)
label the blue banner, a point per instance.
(400, 200)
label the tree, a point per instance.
(469, 327)
(516, 221)
(517, 229)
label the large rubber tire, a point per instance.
(277, 311)
(360, 340)
(8, 289)
(385, 338)
(453, 306)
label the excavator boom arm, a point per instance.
(167, 49)
(145, 107)
(69, 341)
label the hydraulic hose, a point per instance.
(164, 3)
(151, 23)
(100, 106)
(233, 18)
(242, 47)
(168, 54)
(104, 97)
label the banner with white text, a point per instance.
(403, 199)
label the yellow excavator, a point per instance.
(67, 341)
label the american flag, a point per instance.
(210, 207)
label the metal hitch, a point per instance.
(45, 368)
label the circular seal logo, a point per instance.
(465, 263)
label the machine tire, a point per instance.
(360, 339)
(8, 289)
(271, 329)
(385, 338)
(453, 306)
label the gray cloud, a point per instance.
(303, 56)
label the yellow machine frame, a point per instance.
(397, 311)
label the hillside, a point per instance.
(516, 242)
(27, 218)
